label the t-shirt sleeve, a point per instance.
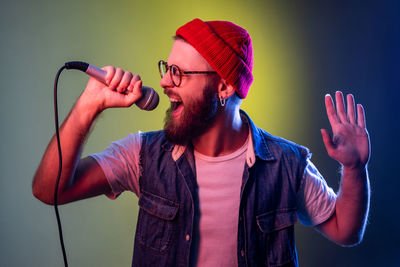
(316, 200)
(120, 164)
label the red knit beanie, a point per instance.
(226, 47)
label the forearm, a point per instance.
(352, 205)
(350, 147)
(123, 90)
(73, 132)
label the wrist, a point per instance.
(355, 171)
(86, 112)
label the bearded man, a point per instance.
(214, 189)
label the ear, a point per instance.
(225, 90)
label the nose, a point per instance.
(166, 81)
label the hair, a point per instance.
(180, 38)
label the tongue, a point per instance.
(175, 105)
(176, 109)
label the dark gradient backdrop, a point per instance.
(302, 51)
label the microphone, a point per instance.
(149, 99)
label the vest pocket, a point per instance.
(277, 229)
(155, 225)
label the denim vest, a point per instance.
(167, 227)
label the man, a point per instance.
(214, 190)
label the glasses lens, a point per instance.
(162, 67)
(175, 74)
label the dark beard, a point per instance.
(195, 120)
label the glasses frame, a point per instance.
(181, 72)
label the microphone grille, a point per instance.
(149, 99)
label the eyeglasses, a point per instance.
(176, 73)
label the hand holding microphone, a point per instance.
(124, 86)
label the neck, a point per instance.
(228, 133)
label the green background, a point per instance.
(302, 51)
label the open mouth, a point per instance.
(176, 106)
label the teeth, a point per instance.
(174, 99)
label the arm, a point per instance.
(83, 178)
(351, 148)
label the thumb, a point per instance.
(134, 95)
(329, 145)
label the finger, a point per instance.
(330, 110)
(341, 111)
(110, 72)
(116, 79)
(329, 145)
(361, 116)
(129, 99)
(123, 84)
(134, 80)
(133, 96)
(137, 90)
(351, 114)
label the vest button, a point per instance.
(187, 237)
(242, 253)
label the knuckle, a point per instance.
(110, 71)
(126, 79)
(136, 77)
(118, 72)
(108, 68)
(112, 85)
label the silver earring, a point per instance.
(222, 101)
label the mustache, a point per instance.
(171, 93)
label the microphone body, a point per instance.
(149, 99)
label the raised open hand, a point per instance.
(350, 143)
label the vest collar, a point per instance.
(260, 145)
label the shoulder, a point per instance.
(268, 146)
(156, 140)
(153, 136)
(281, 146)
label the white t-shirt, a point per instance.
(219, 180)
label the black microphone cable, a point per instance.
(59, 167)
